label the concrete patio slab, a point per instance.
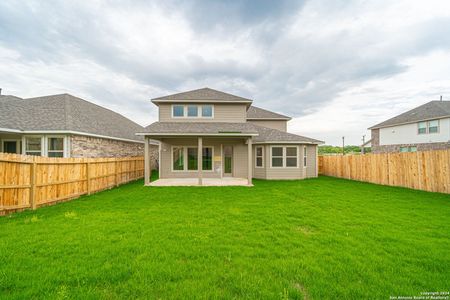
(227, 181)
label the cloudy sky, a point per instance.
(336, 67)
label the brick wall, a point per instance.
(420, 147)
(85, 146)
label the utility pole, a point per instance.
(343, 145)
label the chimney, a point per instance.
(0, 91)
(441, 95)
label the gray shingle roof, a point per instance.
(264, 134)
(427, 111)
(254, 112)
(204, 94)
(64, 112)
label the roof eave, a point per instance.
(195, 134)
(269, 119)
(157, 101)
(404, 123)
(290, 142)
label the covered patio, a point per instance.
(200, 154)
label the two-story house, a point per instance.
(208, 134)
(426, 127)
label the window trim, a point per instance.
(290, 156)
(438, 126)
(185, 111)
(185, 166)
(284, 156)
(262, 157)
(18, 148)
(172, 111)
(47, 145)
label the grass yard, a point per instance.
(322, 238)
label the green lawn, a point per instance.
(320, 238)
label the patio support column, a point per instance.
(250, 161)
(147, 169)
(200, 161)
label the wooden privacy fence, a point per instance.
(424, 170)
(32, 181)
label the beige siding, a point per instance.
(222, 113)
(239, 153)
(278, 125)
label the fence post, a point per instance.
(88, 177)
(33, 184)
(117, 171)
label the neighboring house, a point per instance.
(235, 139)
(426, 127)
(66, 126)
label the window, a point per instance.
(422, 129)
(192, 111)
(284, 157)
(192, 155)
(277, 156)
(259, 157)
(207, 159)
(304, 156)
(56, 147)
(433, 126)
(178, 111)
(33, 146)
(207, 111)
(178, 158)
(291, 156)
(408, 149)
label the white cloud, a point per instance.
(336, 67)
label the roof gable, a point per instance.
(256, 113)
(202, 95)
(431, 110)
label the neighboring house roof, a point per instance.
(261, 134)
(256, 113)
(64, 113)
(427, 111)
(202, 95)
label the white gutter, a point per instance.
(269, 119)
(289, 142)
(10, 130)
(411, 122)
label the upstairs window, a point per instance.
(422, 129)
(178, 111)
(207, 111)
(192, 111)
(433, 126)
